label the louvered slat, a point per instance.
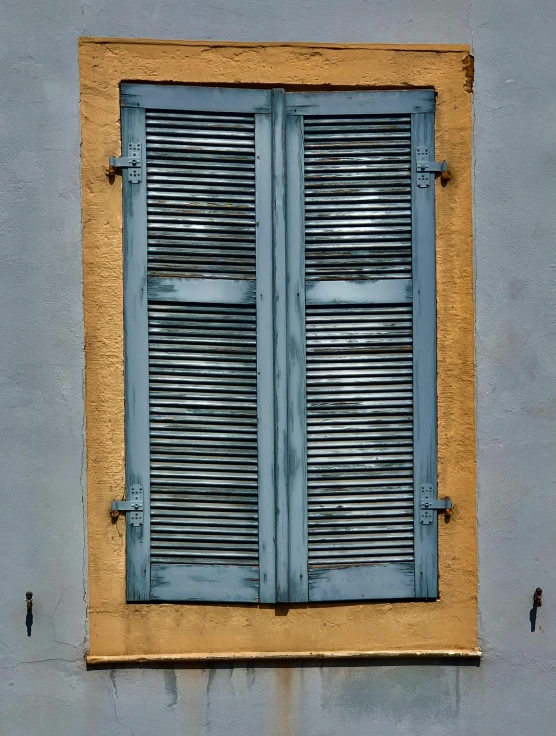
(357, 197)
(359, 434)
(201, 194)
(202, 356)
(357, 181)
(203, 433)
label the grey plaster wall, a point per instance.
(44, 686)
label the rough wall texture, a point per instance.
(43, 682)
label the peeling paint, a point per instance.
(468, 64)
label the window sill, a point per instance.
(162, 659)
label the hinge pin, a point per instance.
(429, 504)
(425, 167)
(133, 505)
(131, 162)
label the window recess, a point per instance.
(280, 356)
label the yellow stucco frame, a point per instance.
(124, 632)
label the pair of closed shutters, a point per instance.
(279, 287)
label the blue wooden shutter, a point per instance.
(361, 250)
(198, 342)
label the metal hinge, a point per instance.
(133, 505)
(131, 162)
(429, 504)
(426, 167)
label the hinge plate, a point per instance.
(429, 504)
(425, 167)
(131, 162)
(133, 505)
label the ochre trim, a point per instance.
(154, 632)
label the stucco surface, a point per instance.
(44, 685)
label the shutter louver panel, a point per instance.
(359, 434)
(359, 372)
(201, 194)
(357, 197)
(204, 185)
(280, 374)
(203, 433)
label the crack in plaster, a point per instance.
(114, 697)
(84, 509)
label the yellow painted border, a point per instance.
(166, 632)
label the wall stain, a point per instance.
(171, 686)
(251, 674)
(283, 711)
(113, 681)
(210, 679)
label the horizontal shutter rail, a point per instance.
(196, 100)
(380, 291)
(384, 102)
(195, 290)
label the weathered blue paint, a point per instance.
(206, 99)
(360, 103)
(215, 291)
(265, 359)
(184, 487)
(359, 582)
(369, 291)
(297, 415)
(136, 361)
(280, 343)
(345, 534)
(221, 583)
(424, 362)
(360, 542)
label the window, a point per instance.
(124, 631)
(280, 366)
